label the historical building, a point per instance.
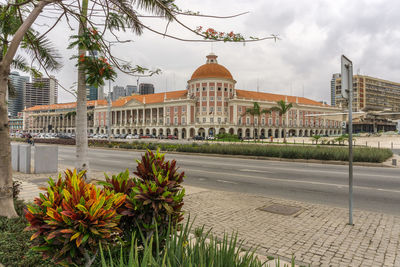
(211, 105)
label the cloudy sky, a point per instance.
(314, 34)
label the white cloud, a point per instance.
(314, 35)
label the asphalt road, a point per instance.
(375, 188)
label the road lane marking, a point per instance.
(299, 182)
(250, 170)
(227, 182)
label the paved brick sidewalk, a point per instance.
(317, 235)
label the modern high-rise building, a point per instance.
(146, 88)
(370, 93)
(41, 91)
(16, 102)
(118, 91)
(333, 88)
(94, 92)
(131, 89)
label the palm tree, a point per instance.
(256, 111)
(128, 19)
(282, 108)
(16, 31)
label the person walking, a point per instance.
(30, 139)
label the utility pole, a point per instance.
(109, 101)
(347, 92)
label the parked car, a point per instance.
(143, 136)
(198, 137)
(172, 137)
(129, 136)
(210, 137)
(64, 136)
(161, 136)
(123, 136)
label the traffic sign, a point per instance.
(347, 76)
(344, 124)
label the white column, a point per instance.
(164, 116)
(235, 122)
(151, 116)
(188, 115)
(158, 116)
(144, 116)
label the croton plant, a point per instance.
(72, 218)
(154, 197)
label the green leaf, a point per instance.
(81, 208)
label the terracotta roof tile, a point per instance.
(150, 99)
(90, 103)
(211, 71)
(275, 97)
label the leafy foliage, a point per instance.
(182, 250)
(96, 68)
(155, 196)
(315, 138)
(14, 242)
(72, 218)
(212, 34)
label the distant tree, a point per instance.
(315, 138)
(282, 108)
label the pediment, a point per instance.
(133, 103)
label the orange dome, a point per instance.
(211, 71)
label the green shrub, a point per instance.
(154, 197)
(361, 154)
(72, 218)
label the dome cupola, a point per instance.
(211, 69)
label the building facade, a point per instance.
(118, 91)
(94, 92)
(333, 88)
(15, 123)
(211, 105)
(146, 88)
(371, 94)
(16, 103)
(41, 91)
(130, 90)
